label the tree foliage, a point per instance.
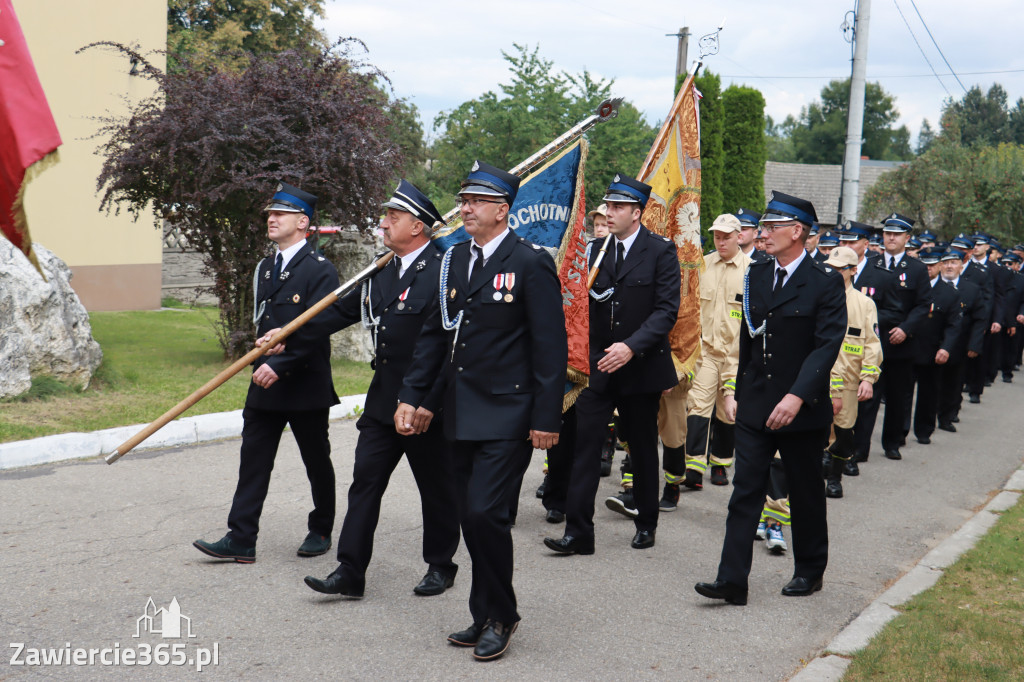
(225, 31)
(537, 104)
(982, 119)
(208, 149)
(951, 188)
(743, 148)
(819, 135)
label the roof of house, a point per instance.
(821, 184)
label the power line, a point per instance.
(914, 5)
(907, 23)
(898, 75)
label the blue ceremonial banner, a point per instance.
(543, 206)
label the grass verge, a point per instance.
(969, 626)
(151, 360)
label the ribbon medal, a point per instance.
(402, 297)
(510, 281)
(499, 282)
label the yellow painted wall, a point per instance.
(114, 258)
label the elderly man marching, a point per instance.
(856, 370)
(714, 381)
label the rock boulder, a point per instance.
(45, 328)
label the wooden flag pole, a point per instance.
(248, 358)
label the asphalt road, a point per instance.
(84, 545)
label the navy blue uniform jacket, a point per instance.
(806, 324)
(506, 374)
(640, 313)
(304, 368)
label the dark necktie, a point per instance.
(478, 264)
(780, 278)
(620, 258)
(277, 267)
(892, 262)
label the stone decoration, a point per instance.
(46, 328)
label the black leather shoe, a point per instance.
(801, 587)
(851, 468)
(974, 398)
(542, 487)
(733, 594)
(947, 427)
(554, 516)
(893, 454)
(434, 582)
(336, 583)
(570, 545)
(956, 420)
(494, 640)
(314, 545)
(924, 440)
(643, 539)
(833, 489)
(1007, 380)
(226, 548)
(468, 637)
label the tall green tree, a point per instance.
(537, 104)
(743, 148)
(779, 139)
(820, 133)
(225, 30)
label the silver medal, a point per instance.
(497, 296)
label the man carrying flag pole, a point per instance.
(27, 128)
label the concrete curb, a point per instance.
(187, 431)
(832, 663)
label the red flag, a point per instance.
(27, 129)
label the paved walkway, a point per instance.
(84, 545)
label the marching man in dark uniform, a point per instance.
(970, 339)
(294, 388)
(393, 306)
(936, 341)
(634, 304)
(898, 343)
(499, 341)
(794, 321)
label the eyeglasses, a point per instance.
(771, 227)
(475, 202)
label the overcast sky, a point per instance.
(441, 53)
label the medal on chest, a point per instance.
(504, 281)
(401, 298)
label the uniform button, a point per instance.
(517, 385)
(769, 377)
(462, 345)
(386, 309)
(769, 336)
(384, 361)
(383, 328)
(469, 300)
(460, 369)
(769, 314)
(617, 324)
(384, 345)
(769, 356)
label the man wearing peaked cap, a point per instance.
(496, 335)
(1014, 306)
(982, 273)
(748, 232)
(934, 345)
(827, 242)
(970, 338)
(871, 279)
(898, 345)
(395, 304)
(812, 244)
(633, 307)
(794, 321)
(293, 388)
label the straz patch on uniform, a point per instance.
(295, 298)
(853, 349)
(736, 314)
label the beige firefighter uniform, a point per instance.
(860, 358)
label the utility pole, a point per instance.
(684, 42)
(848, 202)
